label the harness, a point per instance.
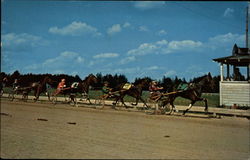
(127, 86)
(183, 86)
(74, 85)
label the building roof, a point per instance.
(240, 57)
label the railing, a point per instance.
(234, 93)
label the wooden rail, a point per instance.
(195, 109)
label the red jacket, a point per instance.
(154, 88)
(61, 85)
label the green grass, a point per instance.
(213, 98)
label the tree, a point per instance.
(15, 75)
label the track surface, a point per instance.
(42, 130)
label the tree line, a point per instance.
(114, 80)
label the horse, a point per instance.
(192, 93)
(41, 87)
(3, 84)
(24, 91)
(88, 81)
(80, 87)
(135, 91)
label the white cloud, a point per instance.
(225, 40)
(126, 25)
(75, 29)
(228, 12)
(162, 42)
(183, 45)
(67, 62)
(161, 32)
(145, 5)
(143, 28)
(21, 42)
(170, 73)
(164, 47)
(64, 58)
(106, 55)
(143, 49)
(127, 60)
(114, 29)
(127, 70)
(153, 68)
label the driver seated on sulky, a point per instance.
(60, 86)
(106, 90)
(15, 85)
(155, 90)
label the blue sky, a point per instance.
(134, 38)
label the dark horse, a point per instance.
(134, 91)
(80, 87)
(193, 93)
(40, 87)
(3, 82)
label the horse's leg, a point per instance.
(35, 94)
(173, 106)
(136, 101)
(205, 101)
(122, 100)
(88, 99)
(147, 107)
(189, 107)
(117, 98)
(206, 106)
(171, 101)
(48, 96)
(73, 99)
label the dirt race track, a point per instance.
(42, 130)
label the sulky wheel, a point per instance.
(99, 102)
(168, 109)
(151, 103)
(11, 96)
(165, 106)
(54, 100)
(25, 97)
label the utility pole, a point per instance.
(247, 17)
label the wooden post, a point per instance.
(156, 109)
(234, 73)
(221, 72)
(247, 27)
(248, 72)
(228, 72)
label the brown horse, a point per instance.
(86, 83)
(81, 87)
(42, 86)
(134, 91)
(3, 83)
(193, 93)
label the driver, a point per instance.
(154, 89)
(60, 86)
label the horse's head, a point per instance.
(48, 80)
(91, 79)
(143, 83)
(5, 79)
